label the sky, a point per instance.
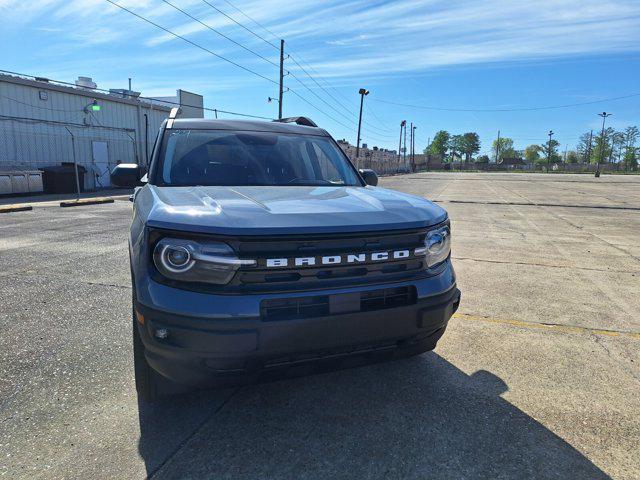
(422, 61)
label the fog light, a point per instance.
(161, 333)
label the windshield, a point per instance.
(221, 157)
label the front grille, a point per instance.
(263, 278)
(323, 305)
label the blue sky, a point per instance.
(494, 54)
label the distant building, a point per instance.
(381, 160)
(42, 122)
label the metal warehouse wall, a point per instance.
(41, 123)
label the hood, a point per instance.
(287, 209)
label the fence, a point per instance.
(32, 144)
(384, 162)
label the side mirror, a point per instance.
(132, 198)
(369, 176)
(126, 175)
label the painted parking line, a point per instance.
(547, 326)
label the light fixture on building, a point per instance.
(92, 107)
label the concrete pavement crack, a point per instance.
(534, 264)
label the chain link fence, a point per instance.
(31, 144)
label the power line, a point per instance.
(192, 43)
(39, 107)
(251, 19)
(326, 82)
(319, 109)
(373, 113)
(330, 95)
(326, 114)
(525, 109)
(338, 102)
(239, 10)
(152, 99)
(220, 33)
(320, 98)
(242, 25)
(221, 57)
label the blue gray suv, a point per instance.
(258, 250)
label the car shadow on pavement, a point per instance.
(415, 418)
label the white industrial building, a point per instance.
(42, 122)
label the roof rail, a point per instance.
(175, 111)
(306, 121)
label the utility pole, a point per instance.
(403, 123)
(281, 80)
(565, 153)
(411, 146)
(405, 144)
(604, 116)
(498, 148)
(549, 151)
(413, 149)
(362, 92)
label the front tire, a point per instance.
(146, 381)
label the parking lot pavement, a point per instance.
(536, 377)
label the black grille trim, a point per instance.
(298, 308)
(250, 280)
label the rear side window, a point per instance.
(220, 157)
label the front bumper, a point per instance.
(225, 346)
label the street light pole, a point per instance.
(549, 151)
(362, 92)
(604, 116)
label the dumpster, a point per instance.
(62, 178)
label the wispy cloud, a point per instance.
(399, 36)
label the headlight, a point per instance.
(196, 261)
(437, 246)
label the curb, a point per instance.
(15, 208)
(86, 201)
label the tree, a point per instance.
(470, 145)
(631, 159)
(550, 150)
(602, 150)
(585, 147)
(440, 143)
(532, 153)
(631, 134)
(617, 143)
(482, 159)
(456, 144)
(505, 146)
(573, 157)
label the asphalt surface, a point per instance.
(538, 375)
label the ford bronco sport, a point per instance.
(257, 249)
